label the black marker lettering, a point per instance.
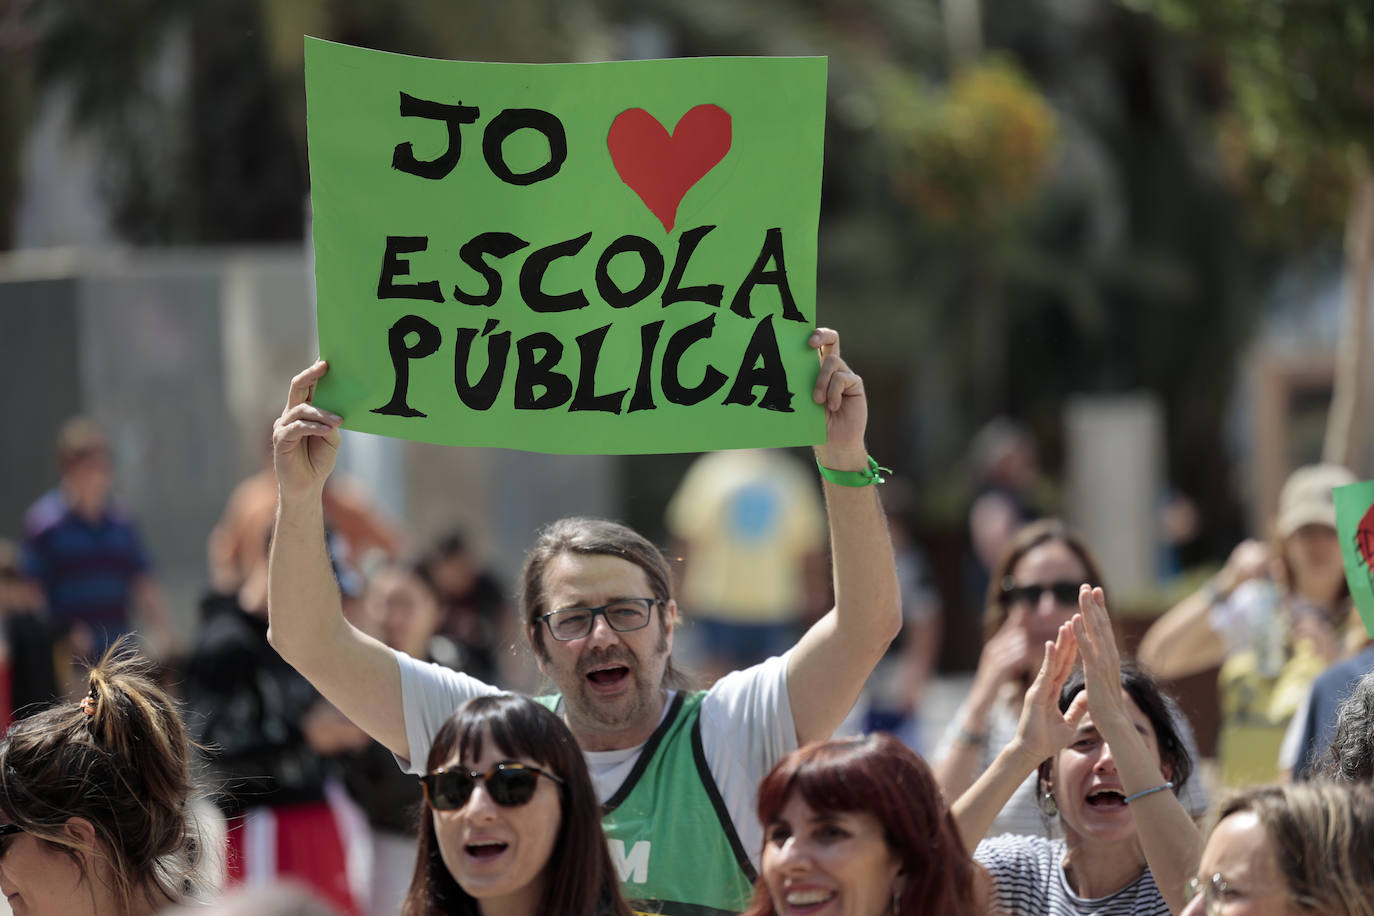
(454, 116)
(394, 266)
(426, 343)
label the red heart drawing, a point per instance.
(1364, 538)
(661, 168)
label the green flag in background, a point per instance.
(574, 258)
(1355, 528)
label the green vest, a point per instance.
(671, 839)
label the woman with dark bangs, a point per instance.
(858, 827)
(513, 825)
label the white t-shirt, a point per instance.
(1028, 877)
(746, 727)
(1021, 814)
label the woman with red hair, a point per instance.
(857, 826)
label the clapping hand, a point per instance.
(1092, 630)
(1006, 656)
(1043, 730)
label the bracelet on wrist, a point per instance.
(972, 738)
(1142, 794)
(873, 474)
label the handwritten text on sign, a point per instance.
(595, 279)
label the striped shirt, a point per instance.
(1028, 877)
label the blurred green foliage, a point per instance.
(971, 155)
(1300, 69)
(1299, 122)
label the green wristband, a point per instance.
(873, 474)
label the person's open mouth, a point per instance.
(1106, 798)
(485, 852)
(607, 678)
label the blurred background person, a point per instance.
(750, 530)
(1273, 619)
(858, 826)
(96, 802)
(28, 666)
(269, 737)
(897, 687)
(474, 613)
(1289, 850)
(1033, 592)
(401, 609)
(1313, 727)
(1349, 757)
(84, 550)
(1003, 460)
(358, 529)
(512, 825)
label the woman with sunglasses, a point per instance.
(1304, 848)
(857, 827)
(1033, 592)
(1106, 759)
(94, 802)
(513, 826)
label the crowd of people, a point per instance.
(349, 726)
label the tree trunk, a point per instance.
(963, 21)
(1348, 426)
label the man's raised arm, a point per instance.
(828, 668)
(351, 669)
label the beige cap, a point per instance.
(1306, 497)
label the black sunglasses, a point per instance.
(509, 785)
(1065, 593)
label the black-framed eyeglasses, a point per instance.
(510, 785)
(1064, 592)
(623, 615)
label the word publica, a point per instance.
(539, 385)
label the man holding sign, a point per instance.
(619, 259)
(676, 770)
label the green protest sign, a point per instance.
(1355, 528)
(574, 258)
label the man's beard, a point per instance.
(624, 710)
